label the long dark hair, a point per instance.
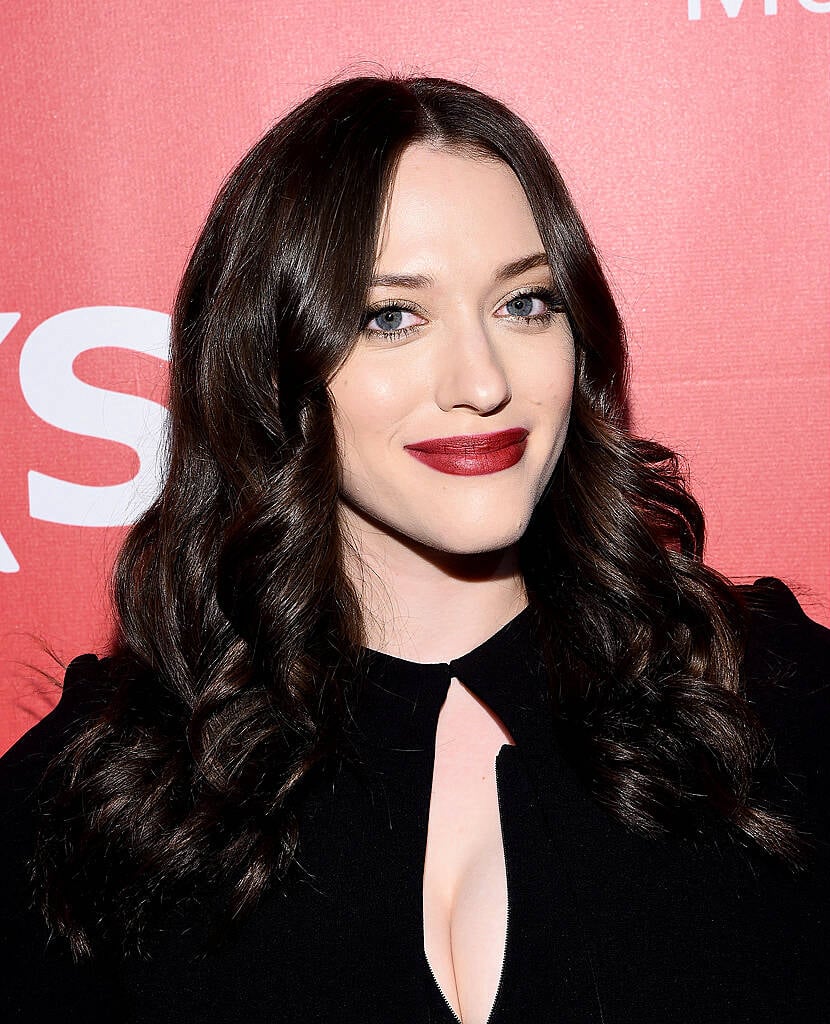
(239, 634)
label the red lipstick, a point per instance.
(472, 454)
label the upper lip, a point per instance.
(472, 443)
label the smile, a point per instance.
(472, 454)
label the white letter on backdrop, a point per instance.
(816, 6)
(8, 563)
(732, 8)
(7, 321)
(56, 395)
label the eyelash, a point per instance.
(550, 297)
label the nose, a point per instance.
(468, 372)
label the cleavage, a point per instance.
(465, 886)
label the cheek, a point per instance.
(547, 381)
(370, 404)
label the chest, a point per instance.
(465, 901)
(399, 905)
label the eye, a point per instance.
(525, 306)
(389, 320)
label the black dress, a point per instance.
(604, 925)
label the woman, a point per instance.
(423, 705)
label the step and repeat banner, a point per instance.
(693, 135)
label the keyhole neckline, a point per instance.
(506, 671)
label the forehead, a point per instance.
(446, 205)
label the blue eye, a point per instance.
(389, 319)
(523, 304)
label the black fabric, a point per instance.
(604, 925)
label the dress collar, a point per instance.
(506, 672)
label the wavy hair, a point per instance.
(239, 634)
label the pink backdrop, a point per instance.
(693, 135)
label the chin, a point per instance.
(454, 527)
(473, 538)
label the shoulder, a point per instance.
(40, 983)
(23, 936)
(787, 673)
(22, 766)
(781, 633)
(787, 653)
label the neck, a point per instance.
(425, 605)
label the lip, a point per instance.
(472, 454)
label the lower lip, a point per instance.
(472, 463)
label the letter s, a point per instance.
(57, 396)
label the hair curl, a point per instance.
(239, 633)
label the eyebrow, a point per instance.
(512, 269)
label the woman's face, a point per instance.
(450, 357)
